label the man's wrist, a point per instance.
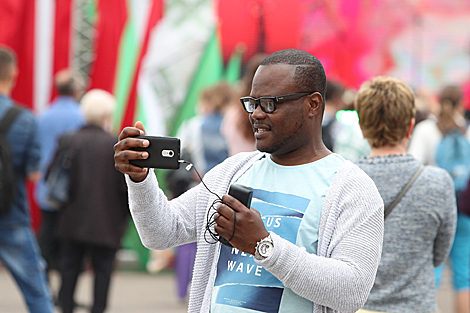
(139, 178)
(264, 248)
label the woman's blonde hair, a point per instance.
(385, 107)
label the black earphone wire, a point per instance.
(210, 219)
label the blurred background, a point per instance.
(156, 56)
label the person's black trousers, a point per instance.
(47, 239)
(102, 261)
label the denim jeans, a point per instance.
(19, 253)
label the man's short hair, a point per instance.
(66, 82)
(97, 104)
(309, 73)
(7, 62)
(385, 107)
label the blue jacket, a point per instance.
(62, 117)
(24, 147)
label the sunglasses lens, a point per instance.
(267, 105)
(249, 104)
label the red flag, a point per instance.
(17, 32)
(112, 17)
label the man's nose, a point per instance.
(258, 113)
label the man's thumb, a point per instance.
(140, 126)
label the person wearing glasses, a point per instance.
(312, 238)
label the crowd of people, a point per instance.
(86, 231)
(358, 217)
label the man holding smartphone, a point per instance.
(311, 241)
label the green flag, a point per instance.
(209, 72)
(232, 72)
(126, 66)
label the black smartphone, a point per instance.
(164, 153)
(244, 195)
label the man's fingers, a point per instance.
(129, 132)
(127, 155)
(224, 228)
(129, 169)
(121, 160)
(220, 230)
(224, 219)
(123, 157)
(126, 149)
(226, 211)
(234, 203)
(129, 143)
(132, 131)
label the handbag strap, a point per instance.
(403, 191)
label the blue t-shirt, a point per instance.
(289, 199)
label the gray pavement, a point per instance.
(139, 292)
(131, 292)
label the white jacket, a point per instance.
(337, 279)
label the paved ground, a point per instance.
(131, 292)
(138, 292)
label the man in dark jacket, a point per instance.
(94, 220)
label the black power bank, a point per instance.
(242, 194)
(164, 153)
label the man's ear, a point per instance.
(315, 104)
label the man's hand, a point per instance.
(249, 227)
(122, 152)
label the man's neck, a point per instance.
(316, 152)
(5, 90)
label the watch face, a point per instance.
(265, 249)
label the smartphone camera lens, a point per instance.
(168, 153)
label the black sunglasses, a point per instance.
(268, 104)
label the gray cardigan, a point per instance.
(349, 243)
(418, 233)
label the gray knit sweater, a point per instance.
(418, 233)
(350, 236)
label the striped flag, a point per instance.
(209, 72)
(40, 34)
